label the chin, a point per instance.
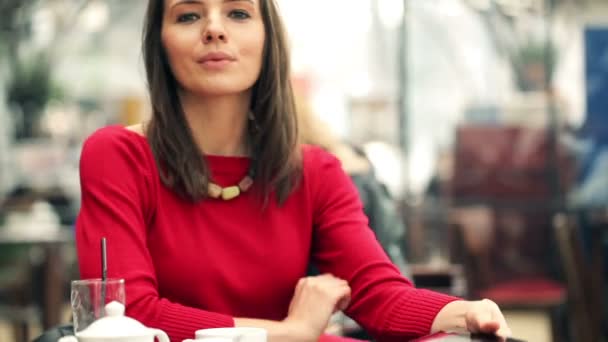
(222, 88)
(219, 91)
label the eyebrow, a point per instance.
(251, 1)
(180, 2)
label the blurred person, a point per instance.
(212, 210)
(590, 191)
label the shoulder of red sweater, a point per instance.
(314, 156)
(115, 135)
(113, 141)
(315, 159)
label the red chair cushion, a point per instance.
(526, 292)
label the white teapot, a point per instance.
(116, 327)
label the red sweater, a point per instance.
(189, 266)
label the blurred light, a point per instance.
(363, 20)
(59, 119)
(509, 7)
(361, 86)
(451, 8)
(43, 27)
(328, 103)
(391, 12)
(388, 164)
(514, 8)
(420, 165)
(95, 16)
(480, 5)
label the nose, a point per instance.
(214, 36)
(214, 31)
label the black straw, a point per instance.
(104, 260)
(104, 274)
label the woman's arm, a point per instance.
(383, 302)
(118, 199)
(314, 301)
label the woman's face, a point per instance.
(214, 47)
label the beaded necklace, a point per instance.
(231, 192)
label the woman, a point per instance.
(212, 210)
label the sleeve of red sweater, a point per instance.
(117, 201)
(383, 301)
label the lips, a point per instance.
(216, 58)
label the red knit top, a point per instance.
(189, 266)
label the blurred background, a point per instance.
(484, 121)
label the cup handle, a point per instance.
(161, 335)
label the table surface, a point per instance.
(61, 235)
(451, 337)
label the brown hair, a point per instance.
(275, 139)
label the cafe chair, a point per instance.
(511, 271)
(580, 300)
(503, 194)
(17, 304)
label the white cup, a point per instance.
(231, 335)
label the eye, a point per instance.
(239, 15)
(187, 17)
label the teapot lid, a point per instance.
(114, 324)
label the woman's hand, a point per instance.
(315, 300)
(481, 316)
(484, 316)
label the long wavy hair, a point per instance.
(275, 139)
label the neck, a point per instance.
(218, 123)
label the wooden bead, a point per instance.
(245, 183)
(214, 190)
(230, 192)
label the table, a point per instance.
(453, 337)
